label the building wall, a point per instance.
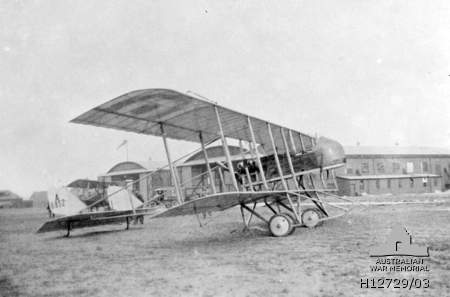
(355, 187)
(15, 203)
(373, 165)
(160, 179)
(39, 199)
(145, 182)
(344, 187)
(143, 187)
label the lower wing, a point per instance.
(222, 201)
(93, 219)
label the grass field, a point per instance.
(175, 257)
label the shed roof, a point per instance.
(8, 195)
(387, 176)
(395, 150)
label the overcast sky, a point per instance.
(374, 72)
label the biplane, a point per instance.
(290, 173)
(87, 203)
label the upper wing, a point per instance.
(183, 117)
(218, 202)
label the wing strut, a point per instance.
(277, 161)
(292, 141)
(227, 152)
(258, 157)
(288, 155)
(130, 197)
(301, 143)
(205, 154)
(172, 170)
(291, 167)
(247, 173)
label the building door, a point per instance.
(353, 190)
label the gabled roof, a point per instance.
(183, 117)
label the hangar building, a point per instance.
(9, 199)
(39, 199)
(369, 170)
(378, 170)
(146, 176)
(189, 173)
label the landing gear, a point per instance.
(128, 223)
(280, 225)
(293, 221)
(69, 227)
(284, 223)
(311, 217)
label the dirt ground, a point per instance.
(175, 257)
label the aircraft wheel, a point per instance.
(292, 217)
(280, 225)
(153, 203)
(311, 217)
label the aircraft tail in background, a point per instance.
(63, 203)
(121, 199)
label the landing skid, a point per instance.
(69, 227)
(286, 217)
(137, 219)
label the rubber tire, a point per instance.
(311, 209)
(277, 217)
(292, 221)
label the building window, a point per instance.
(377, 184)
(400, 183)
(425, 166)
(389, 183)
(409, 167)
(365, 167)
(424, 182)
(349, 170)
(396, 167)
(438, 169)
(411, 182)
(380, 167)
(361, 185)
